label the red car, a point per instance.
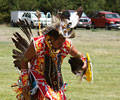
(105, 19)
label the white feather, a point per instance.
(74, 19)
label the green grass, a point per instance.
(104, 49)
(8, 75)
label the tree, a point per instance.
(53, 5)
(4, 11)
(6, 6)
(23, 4)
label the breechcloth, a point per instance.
(45, 92)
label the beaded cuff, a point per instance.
(24, 77)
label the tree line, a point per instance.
(6, 6)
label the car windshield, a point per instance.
(34, 15)
(112, 16)
(84, 15)
(43, 15)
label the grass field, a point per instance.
(104, 49)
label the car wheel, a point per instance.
(41, 25)
(32, 25)
(107, 26)
(75, 27)
(12, 24)
(87, 28)
(93, 26)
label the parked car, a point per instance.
(84, 22)
(32, 19)
(105, 19)
(15, 16)
(49, 18)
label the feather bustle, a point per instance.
(21, 43)
(21, 40)
(18, 45)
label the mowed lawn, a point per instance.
(103, 47)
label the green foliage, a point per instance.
(23, 4)
(55, 5)
(4, 11)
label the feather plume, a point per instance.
(17, 53)
(16, 57)
(18, 45)
(17, 64)
(21, 43)
(25, 27)
(21, 40)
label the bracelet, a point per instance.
(83, 59)
(79, 55)
(24, 77)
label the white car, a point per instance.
(49, 18)
(32, 19)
